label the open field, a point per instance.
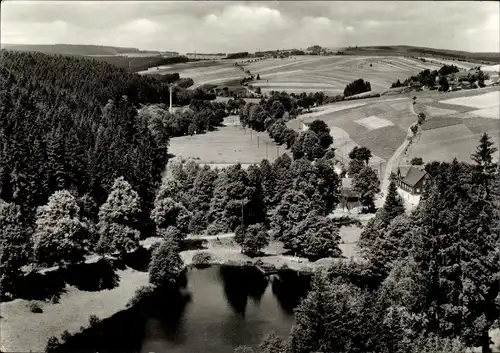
(383, 126)
(491, 68)
(456, 134)
(305, 73)
(230, 144)
(374, 122)
(485, 100)
(331, 74)
(447, 143)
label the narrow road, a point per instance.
(394, 162)
(209, 237)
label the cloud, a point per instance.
(212, 26)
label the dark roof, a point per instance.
(411, 175)
(403, 170)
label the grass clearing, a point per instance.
(374, 122)
(384, 141)
(485, 100)
(22, 331)
(228, 145)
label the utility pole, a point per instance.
(170, 89)
(242, 216)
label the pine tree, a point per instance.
(458, 255)
(393, 205)
(15, 245)
(484, 153)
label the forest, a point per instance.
(75, 124)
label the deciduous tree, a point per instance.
(60, 236)
(166, 265)
(118, 224)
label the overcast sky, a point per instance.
(247, 26)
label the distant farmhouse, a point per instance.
(410, 181)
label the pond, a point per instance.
(224, 307)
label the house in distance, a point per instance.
(410, 181)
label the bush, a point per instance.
(140, 294)
(52, 344)
(417, 161)
(93, 320)
(35, 308)
(202, 259)
(65, 336)
(214, 229)
(421, 118)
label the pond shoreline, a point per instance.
(22, 330)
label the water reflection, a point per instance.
(217, 316)
(289, 288)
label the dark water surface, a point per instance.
(226, 307)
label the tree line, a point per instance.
(272, 114)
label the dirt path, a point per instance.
(394, 162)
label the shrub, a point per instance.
(52, 344)
(65, 336)
(421, 118)
(35, 308)
(414, 129)
(417, 161)
(202, 259)
(214, 229)
(140, 294)
(93, 320)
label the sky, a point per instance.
(230, 26)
